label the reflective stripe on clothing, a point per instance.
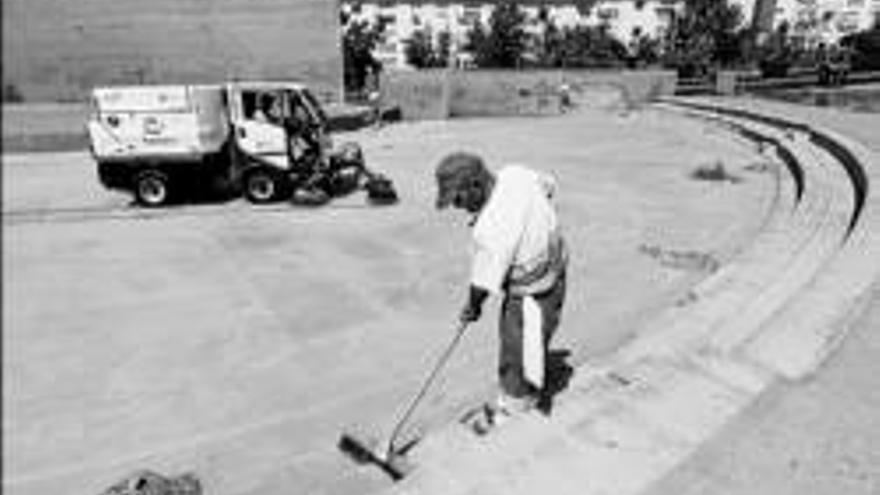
(533, 347)
(517, 347)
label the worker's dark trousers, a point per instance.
(510, 362)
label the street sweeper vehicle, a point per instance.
(268, 141)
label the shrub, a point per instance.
(865, 47)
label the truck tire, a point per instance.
(151, 188)
(263, 185)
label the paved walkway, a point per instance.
(711, 400)
(239, 341)
(238, 345)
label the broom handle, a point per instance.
(422, 391)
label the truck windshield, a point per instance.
(315, 105)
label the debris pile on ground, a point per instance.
(715, 172)
(682, 260)
(759, 167)
(146, 482)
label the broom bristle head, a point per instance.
(357, 450)
(360, 452)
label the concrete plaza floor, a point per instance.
(239, 341)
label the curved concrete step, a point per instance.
(775, 312)
(807, 330)
(784, 256)
(800, 338)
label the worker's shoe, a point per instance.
(493, 416)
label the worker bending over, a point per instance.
(519, 251)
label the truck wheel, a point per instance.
(151, 188)
(263, 186)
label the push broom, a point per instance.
(390, 458)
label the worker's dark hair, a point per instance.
(459, 171)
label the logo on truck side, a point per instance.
(153, 126)
(153, 131)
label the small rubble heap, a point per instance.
(146, 482)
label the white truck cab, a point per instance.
(261, 111)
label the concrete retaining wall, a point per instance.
(57, 50)
(480, 93)
(420, 95)
(438, 94)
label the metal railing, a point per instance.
(752, 81)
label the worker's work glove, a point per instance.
(470, 314)
(473, 308)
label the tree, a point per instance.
(865, 48)
(444, 48)
(419, 50)
(359, 39)
(547, 44)
(706, 33)
(503, 43)
(776, 54)
(585, 47)
(644, 50)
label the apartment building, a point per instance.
(403, 19)
(841, 17)
(625, 19)
(826, 21)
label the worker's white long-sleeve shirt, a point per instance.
(517, 232)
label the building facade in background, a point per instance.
(60, 49)
(625, 19)
(817, 21)
(825, 21)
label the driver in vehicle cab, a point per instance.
(268, 109)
